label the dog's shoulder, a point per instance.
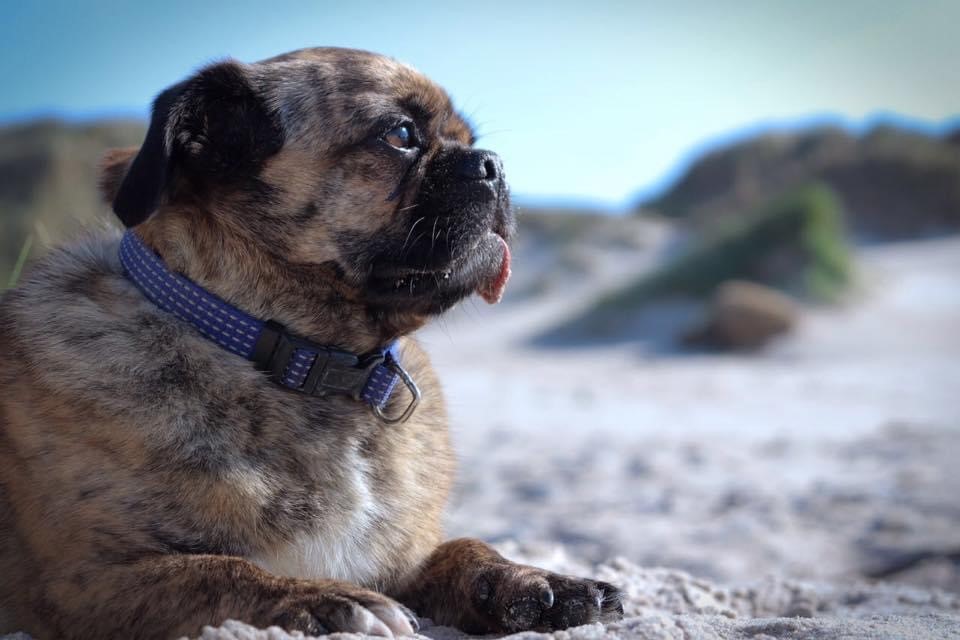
(62, 304)
(63, 275)
(76, 319)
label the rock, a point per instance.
(745, 315)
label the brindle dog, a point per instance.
(153, 482)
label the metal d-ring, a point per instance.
(391, 363)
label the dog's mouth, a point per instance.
(484, 269)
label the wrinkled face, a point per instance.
(413, 213)
(338, 157)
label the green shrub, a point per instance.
(795, 243)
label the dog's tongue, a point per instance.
(492, 290)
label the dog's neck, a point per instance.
(311, 301)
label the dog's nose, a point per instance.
(480, 165)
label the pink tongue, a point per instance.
(492, 291)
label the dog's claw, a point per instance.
(546, 597)
(483, 589)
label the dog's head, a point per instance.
(330, 158)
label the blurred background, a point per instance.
(730, 344)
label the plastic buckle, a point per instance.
(272, 350)
(332, 371)
(339, 372)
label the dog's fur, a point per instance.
(151, 482)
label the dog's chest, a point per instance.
(344, 544)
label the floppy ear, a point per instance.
(213, 127)
(113, 168)
(144, 183)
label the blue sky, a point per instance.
(593, 101)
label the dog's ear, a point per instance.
(113, 168)
(146, 179)
(213, 127)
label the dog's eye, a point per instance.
(399, 137)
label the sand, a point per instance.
(667, 604)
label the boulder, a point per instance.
(744, 315)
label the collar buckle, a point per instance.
(333, 371)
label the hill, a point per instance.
(48, 176)
(893, 183)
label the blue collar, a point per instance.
(291, 362)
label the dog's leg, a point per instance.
(174, 595)
(468, 585)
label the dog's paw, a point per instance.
(518, 598)
(343, 608)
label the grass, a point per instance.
(21, 260)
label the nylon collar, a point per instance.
(291, 362)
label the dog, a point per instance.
(222, 413)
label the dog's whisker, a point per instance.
(487, 134)
(412, 227)
(412, 244)
(433, 236)
(442, 324)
